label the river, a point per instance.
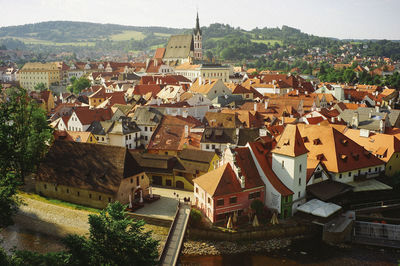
(300, 252)
(303, 252)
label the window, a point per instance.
(45, 186)
(126, 137)
(349, 174)
(233, 200)
(131, 180)
(77, 193)
(90, 196)
(213, 147)
(130, 145)
(130, 136)
(298, 194)
(109, 199)
(197, 190)
(220, 202)
(55, 188)
(209, 200)
(137, 181)
(102, 138)
(168, 182)
(207, 146)
(67, 190)
(283, 164)
(254, 195)
(142, 177)
(145, 128)
(99, 197)
(376, 169)
(340, 175)
(300, 168)
(299, 181)
(369, 170)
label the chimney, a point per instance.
(265, 105)
(297, 92)
(242, 182)
(185, 113)
(237, 133)
(255, 107)
(377, 109)
(355, 120)
(147, 62)
(332, 120)
(178, 97)
(382, 126)
(186, 131)
(370, 115)
(262, 132)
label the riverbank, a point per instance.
(41, 222)
(200, 248)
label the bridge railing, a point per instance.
(377, 231)
(171, 229)
(374, 204)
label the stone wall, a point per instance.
(270, 232)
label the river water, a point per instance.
(22, 239)
(300, 252)
(303, 252)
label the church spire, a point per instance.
(197, 29)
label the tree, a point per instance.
(40, 87)
(257, 206)
(24, 134)
(8, 201)
(113, 240)
(78, 85)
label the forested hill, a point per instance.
(219, 40)
(69, 31)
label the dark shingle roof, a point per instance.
(88, 166)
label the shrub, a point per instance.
(195, 217)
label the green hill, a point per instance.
(219, 40)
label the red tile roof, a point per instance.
(290, 142)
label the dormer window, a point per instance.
(317, 141)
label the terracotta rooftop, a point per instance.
(290, 142)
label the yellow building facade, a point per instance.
(32, 74)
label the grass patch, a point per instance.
(127, 35)
(268, 42)
(162, 34)
(44, 42)
(57, 202)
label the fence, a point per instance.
(377, 231)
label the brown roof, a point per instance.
(87, 116)
(245, 162)
(340, 153)
(159, 54)
(219, 182)
(378, 144)
(87, 166)
(290, 143)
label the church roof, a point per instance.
(179, 46)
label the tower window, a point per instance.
(283, 164)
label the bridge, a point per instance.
(173, 244)
(386, 235)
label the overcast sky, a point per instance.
(369, 19)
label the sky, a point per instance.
(344, 19)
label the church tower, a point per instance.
(198, 49)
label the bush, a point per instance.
(257, 206)
(195, 217)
